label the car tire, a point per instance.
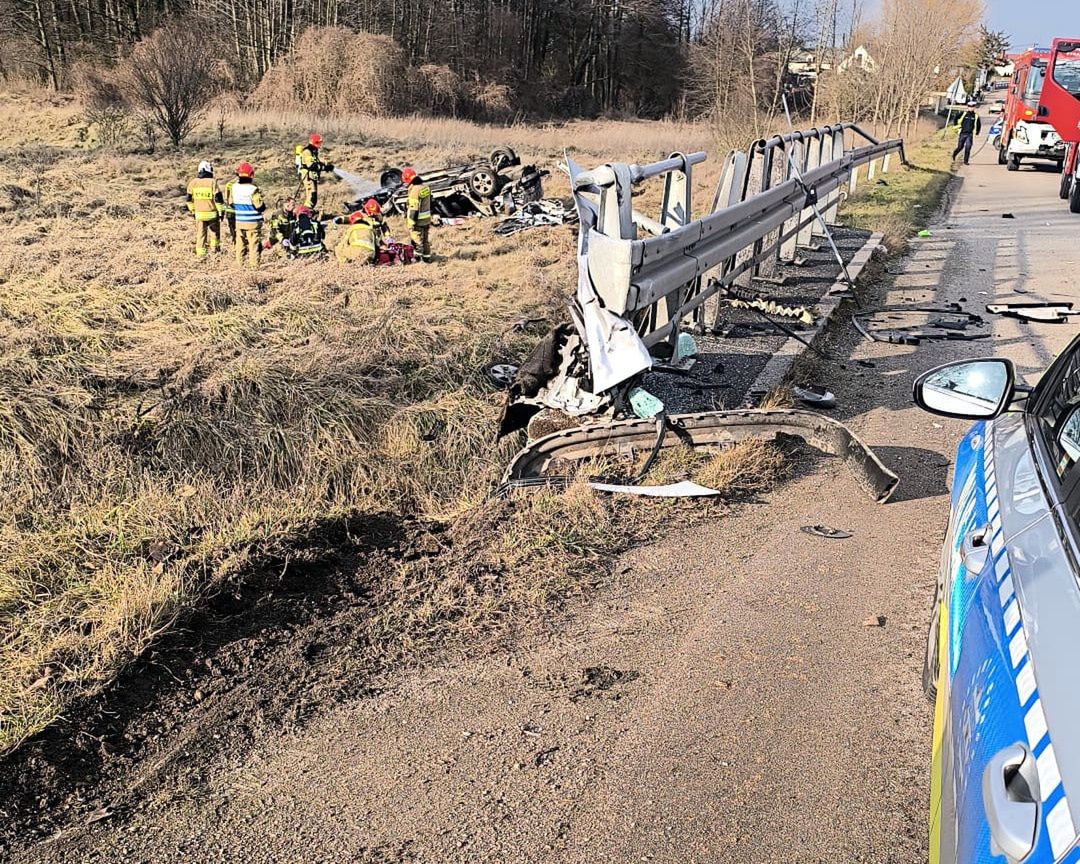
(484, 183)
(502, 158)
(1065, 187)
(1074, 197)
(1060, 163)
(390, 178)
(931, 661)
(1002, 152)
(1013, 163)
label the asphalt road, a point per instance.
(742, 693)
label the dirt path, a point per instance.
(743, 692)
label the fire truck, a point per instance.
(1060, 106)
(1025, 134)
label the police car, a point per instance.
(1003, 654)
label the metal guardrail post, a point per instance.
(806, 232)
(832, 200)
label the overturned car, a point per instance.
(500, 185)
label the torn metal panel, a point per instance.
(711, 429)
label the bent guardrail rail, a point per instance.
(639, 277)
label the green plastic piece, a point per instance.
(645, 405)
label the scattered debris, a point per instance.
(874, 621)
(771, 307)
(1042, 313)
(1007, 216)
(911, 325)
(825, 531)
(600, 679)
(924, 233)
(682, 489)
(502, 375)
(545, 757)
(814, 395)
(536, 214)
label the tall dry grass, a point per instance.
(165, 423)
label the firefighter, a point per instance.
(365, 235)
(310, 168)
(281, 224)
(246, 200)
(970, 126)
(418, 213)
(205, 203)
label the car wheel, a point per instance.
(1074, 198)
(931, 662)
(1065, 187)
(483, 183)
(1060, 164)
(502, 158)
(390, 178)
(1013, 163)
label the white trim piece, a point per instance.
(1012, 617)
(1001, 567)
(1005, 590)
(1035, 724)
(1059, 826)
(1018, 647)
(1049, 773)
(1025, 683)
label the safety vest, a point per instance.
(246, 201)
(203, 199)
(229, 211)
(419, 205)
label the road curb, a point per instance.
(779, 365)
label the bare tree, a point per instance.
(170, 77)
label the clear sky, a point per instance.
(1033, 22)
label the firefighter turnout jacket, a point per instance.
(363, 238)
(418, 207)
(308, 165)
(204, 200)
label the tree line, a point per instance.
(727, 60)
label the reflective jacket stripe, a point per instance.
(246, 202)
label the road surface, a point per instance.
(743, 692)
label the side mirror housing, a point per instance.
(968, 389)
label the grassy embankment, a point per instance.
(166, 424)
(901, 203)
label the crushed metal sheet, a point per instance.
(714, 429)
(683, 489)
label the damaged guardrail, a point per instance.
(639, 278)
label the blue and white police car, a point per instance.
(1002, 659)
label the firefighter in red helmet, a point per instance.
(310, 167)
(366, 234)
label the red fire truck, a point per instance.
(1024, 133)
(1060, 105)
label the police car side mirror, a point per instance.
(969, 389)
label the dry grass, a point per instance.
(166, 423)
